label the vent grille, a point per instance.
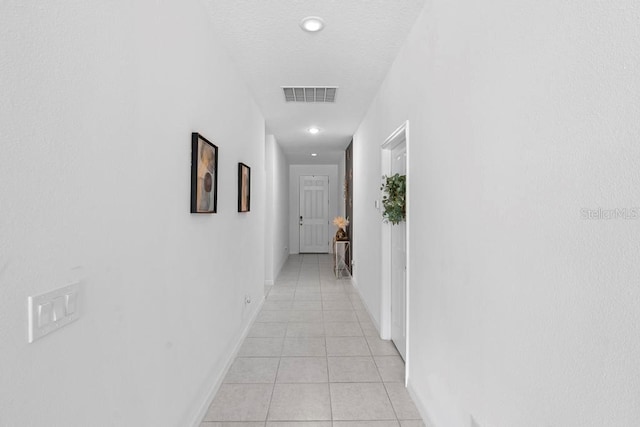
(310, 94)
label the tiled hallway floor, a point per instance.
(314, 356)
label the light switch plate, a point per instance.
(50, 311)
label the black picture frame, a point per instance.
(244, 188)
(204, 175)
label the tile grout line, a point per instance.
(278, 369)
(326, 354)
(275, 380)
(266, 416)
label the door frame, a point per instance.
(328, 204)
(397, 137)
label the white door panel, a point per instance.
(314, 214)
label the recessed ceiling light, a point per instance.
(314, 154)
(312, 24)
(313, 130)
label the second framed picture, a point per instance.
(244, 188)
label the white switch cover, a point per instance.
(53, 310)
(58, 308)
(70, 302)
(44, 314)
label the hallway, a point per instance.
(313, 354)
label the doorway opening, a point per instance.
(394, 323)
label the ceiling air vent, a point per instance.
(310, 94)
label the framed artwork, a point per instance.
(244, 188)
(204, 175)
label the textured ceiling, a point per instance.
(354, 52)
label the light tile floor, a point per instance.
(313, 358)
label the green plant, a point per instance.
(394, 199)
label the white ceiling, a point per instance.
(360, 40)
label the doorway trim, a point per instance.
(397, 137)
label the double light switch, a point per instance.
(53, 310)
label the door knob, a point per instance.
(300, 219)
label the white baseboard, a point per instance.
(426, 416)
(424, 413)
(215, 386)
(437, 406)
(283, 261)
(354, 282)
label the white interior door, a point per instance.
(314, 214)
(399, 263)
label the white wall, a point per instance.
(277, 223)
(98, 102)
(521, 114)
(295, 172)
